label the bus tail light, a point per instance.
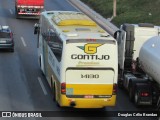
(114, 89)
(63, 88)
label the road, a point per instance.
(22, 85)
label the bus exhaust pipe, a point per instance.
(72, 104)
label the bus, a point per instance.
(78, 58)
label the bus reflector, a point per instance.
(63, 88)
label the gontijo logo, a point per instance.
(90, 48)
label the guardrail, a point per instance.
(104, 23)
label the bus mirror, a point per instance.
(120, 36)
(36, 28)
(117, 35)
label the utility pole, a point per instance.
(114, 8)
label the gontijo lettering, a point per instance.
(90, 57)
(90, 49)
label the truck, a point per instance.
(138, 62)
(28, 8)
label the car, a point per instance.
(6, 38)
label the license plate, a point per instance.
(88, 96)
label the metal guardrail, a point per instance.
(104, 23)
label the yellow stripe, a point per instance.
(90, 89)
(76, 22)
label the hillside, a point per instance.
(128, 11)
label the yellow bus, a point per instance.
(78, 58)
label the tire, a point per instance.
(16, 13)
(55, 97)
(131, 95)
(53, 91)
(39, 62)
(136, 100)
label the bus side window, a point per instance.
(55, 45)
(44, 35)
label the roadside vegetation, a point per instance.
(128, 11)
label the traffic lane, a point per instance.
(62, 5)
(13, 92)
(23, 54)
(26, 45)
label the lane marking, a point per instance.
(42, 86)
(10, 10)
(23, 42)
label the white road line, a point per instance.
(11, 11)
(23, 42)
(42, 86)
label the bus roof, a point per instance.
(72, 18)
(75, 25)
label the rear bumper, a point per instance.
(145, 101)
(6, 46)
(86, 102)
(29, 16)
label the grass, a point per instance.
(128, 11)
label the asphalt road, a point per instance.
(22, 85)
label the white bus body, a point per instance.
(79, 59)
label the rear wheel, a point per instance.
(131, 95)
(39, 61)
(136, 99)
(16, 13)
(53, 91)
(40, 65)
